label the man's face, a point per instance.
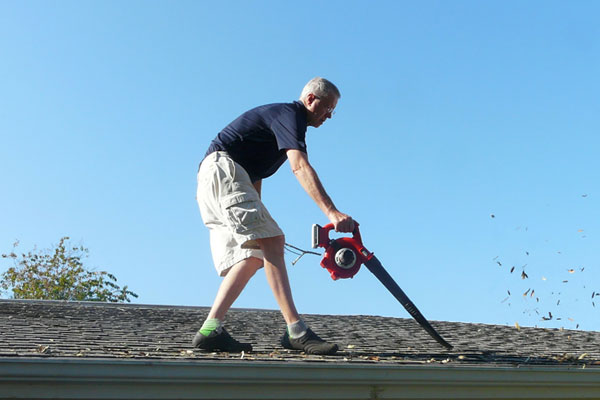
(319, 109)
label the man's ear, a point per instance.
(310, 98)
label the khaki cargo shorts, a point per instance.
(232, 210)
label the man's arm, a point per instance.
(258, 187)
(309, 180)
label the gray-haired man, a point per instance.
(243, 235)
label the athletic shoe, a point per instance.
(310, 343)
(220, 341)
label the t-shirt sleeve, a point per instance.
(290, 131)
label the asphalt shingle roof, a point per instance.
(132, 331)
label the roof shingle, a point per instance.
(131, 331)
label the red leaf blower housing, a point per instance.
(343, 258)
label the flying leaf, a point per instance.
(524, 275)
(517, 326)
(548, 318)
(512, 269)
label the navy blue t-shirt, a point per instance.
(258, 139)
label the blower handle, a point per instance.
(321, 235)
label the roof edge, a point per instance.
(110, 379)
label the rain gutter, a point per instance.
(69, 378)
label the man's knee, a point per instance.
(272, 245)
(247, 267)
(253, 264)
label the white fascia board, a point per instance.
(136, 379)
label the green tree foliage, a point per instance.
(59, 274)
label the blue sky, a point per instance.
(451, 112)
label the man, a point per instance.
(243, 235)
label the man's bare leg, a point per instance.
(211, 336)
(298, 336)
(234, 282)
(277, 276)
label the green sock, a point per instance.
(212, 324)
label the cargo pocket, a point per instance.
(244, 212)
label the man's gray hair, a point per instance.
(320, 87)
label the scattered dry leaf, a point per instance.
(43, 349)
